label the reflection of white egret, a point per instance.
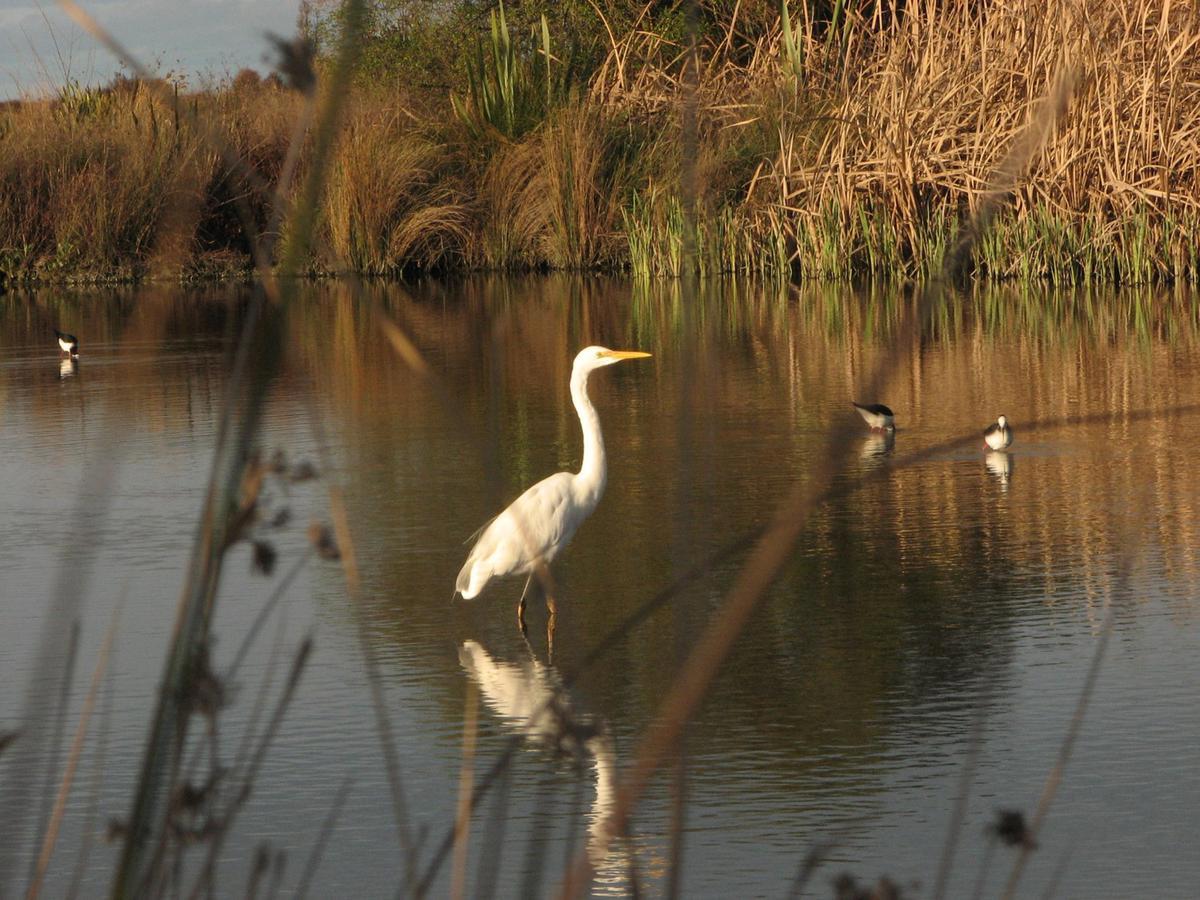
(999, 435)
(530, 699)
(1000, 465)
(878, 416)
(536, 526)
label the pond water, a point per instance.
(932, 600)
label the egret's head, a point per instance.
(590, 358)
(1002, 422)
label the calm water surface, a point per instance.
(957, 592)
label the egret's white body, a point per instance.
(878, 416)
(536, 526)
(998, 436)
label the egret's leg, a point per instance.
(521, 604)
(550, 620)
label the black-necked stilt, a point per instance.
(68, 342)
(876, 415)
(998, 436)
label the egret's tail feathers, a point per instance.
(471, 580)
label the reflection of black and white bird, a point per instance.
(68, 342)
(878, 444)
(998, 436)
(878, 416)
(1000, 465)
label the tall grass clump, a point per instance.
(386, 208)
(86, 182)
(727, 240)
(510, 86)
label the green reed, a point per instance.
(727, 240)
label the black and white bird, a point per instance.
(878, 416)
(998, 436)
(68, 342)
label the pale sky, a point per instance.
(40, 47)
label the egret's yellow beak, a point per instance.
(625, 354)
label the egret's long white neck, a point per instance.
(594, 471)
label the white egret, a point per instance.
(68, 343)
(878, 416)
(998, 436)
(536, 526)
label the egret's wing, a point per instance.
(540, 519)
(533, 527)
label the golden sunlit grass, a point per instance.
(844, 150)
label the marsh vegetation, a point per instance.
(815, 139)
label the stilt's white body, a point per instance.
(876, 415)
(998, 436)
(68, 343)
(536, 526)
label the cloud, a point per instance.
(40, 47)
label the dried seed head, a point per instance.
(294, 62)
(303, 471)
(322, 540)
(263, 560)
(1012, 830)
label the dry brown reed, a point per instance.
(844, 152)
(919, 108)
(385, 207)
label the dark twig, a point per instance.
(1055, 776)
(960, 802)
(52, 758)
(318, 850)
(242, 794)
(383, 727)
(261, 618)
(68, 777)
(816, 855)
